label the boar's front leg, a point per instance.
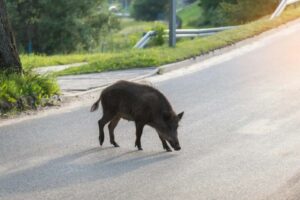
(165, 145)
(111, 127)
(139, 131)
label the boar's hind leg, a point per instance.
(139, 130)
(102, 122)
(111, 127)
(165, 145)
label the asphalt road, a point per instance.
(240, 139)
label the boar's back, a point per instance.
(132, 100)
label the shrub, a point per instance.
(22, 92)
(158, 39)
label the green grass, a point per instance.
(191, 15)
(33, 61)
(186, 49)
(28, 91)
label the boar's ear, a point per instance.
(180, 115)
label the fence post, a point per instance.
(172, 24)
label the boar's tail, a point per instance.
(95, 106)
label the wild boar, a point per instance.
(142, 104)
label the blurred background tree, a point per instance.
(149, 10)
(243, 11)
(232, 12)
(55, 26)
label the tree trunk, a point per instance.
(9, 57)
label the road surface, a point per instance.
(240, 139)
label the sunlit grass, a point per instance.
(32, 61)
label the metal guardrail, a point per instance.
(181, 33)
(144, 40)
(200, 32)
(283, 4)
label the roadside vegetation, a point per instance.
(157, 56)
(27, 91)
(30, 61)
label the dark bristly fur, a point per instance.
(142, 104)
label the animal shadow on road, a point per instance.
(81, 167)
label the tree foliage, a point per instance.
(211, 13)
(224, 12)
(149, 10)
(243, 11)
(55, 26)
(189, 1)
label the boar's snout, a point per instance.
(175, 145)
(177, 148)
(171, 138)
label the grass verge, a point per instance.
(23, 92)
(33, 61)
(186, 49)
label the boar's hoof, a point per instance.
(115, 144)
(139, 147)
(101, 142)
(167, 148)
(177, 148)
